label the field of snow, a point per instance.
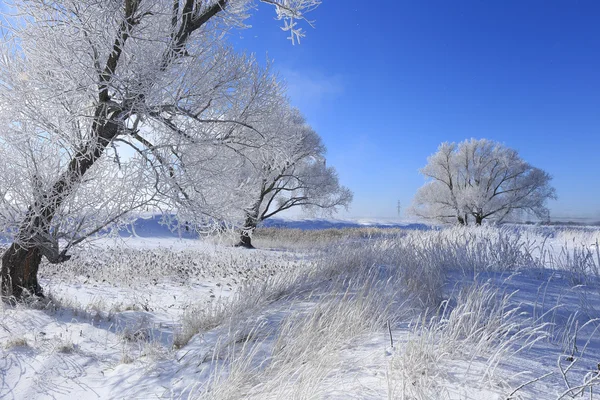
(344, 313)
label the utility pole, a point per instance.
(399, 208)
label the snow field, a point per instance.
(451, 314)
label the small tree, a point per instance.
(481, 179)
(290, 171)
(82, 80)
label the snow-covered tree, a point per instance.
(290, 171)
(100, 102)
(481, 179)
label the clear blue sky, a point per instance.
(384, 83)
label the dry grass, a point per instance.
(16, 341)
(284, 330)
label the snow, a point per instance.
(289, 324)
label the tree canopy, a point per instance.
(478, 180)
(289, 171)
(103, 107)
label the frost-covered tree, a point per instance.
(100, 104)
(290, 171)
(481, 179)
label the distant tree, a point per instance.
(83, 80)
(477, 180)
(290, 171)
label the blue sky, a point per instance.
(384, 83)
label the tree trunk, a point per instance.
(478, 220)
(245, 241)
(246, 234)
(461, 220)
(19, 272)
(20, 261)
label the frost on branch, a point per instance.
(101, 103)
(291, 11)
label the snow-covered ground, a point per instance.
(483, 313)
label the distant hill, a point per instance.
(154, 226)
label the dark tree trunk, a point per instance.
(478, 220)
(461, 220)
(246, 234)
(19, 272)
(245, 241)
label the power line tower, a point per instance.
(399, 207)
